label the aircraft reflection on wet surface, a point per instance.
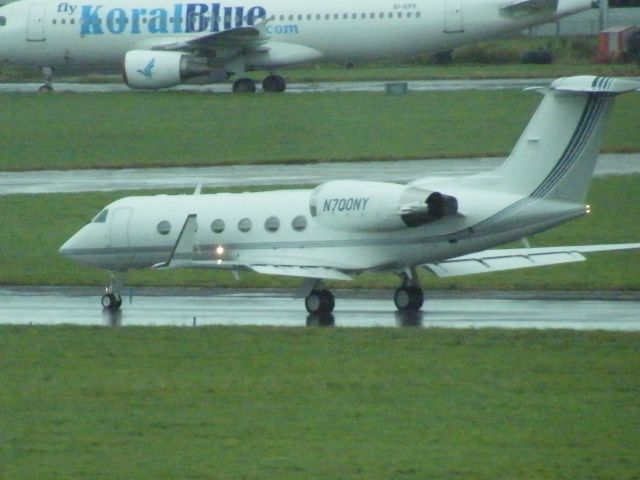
(361, 309)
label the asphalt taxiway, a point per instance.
(37, 182)
(371, 308)
(309, 87)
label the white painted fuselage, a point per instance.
(97, 35)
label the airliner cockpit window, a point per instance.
(3, 21)
(101, 217)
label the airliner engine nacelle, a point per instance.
(150, 69)
(362, 205)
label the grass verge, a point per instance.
(262, 403)
(144, 129)
(35, 226)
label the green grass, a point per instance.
(263, 403)
(70, 131)
(35, 226)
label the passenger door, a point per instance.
(35, 23)
(453, 16)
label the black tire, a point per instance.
(274, 84)
(110, 301)
(244, 85)
(329, 300)
(319, 302)
(313, 302)
(409, 299)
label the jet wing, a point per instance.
(510, 259)
(306, 272)
(235, 38)
(523, 7)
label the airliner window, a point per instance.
(217, 226)
(244, 225)
(299, 223)
(272, 224)
(3, 21)
(164, 227)
(101, 217)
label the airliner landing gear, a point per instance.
(274, 83)
(47, 73)
(409, 297)
(320, 302)
(112, 300)
(244, 85)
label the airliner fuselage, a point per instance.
(232, 37)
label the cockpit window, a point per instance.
(101, 217)
(3, 21)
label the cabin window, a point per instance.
(164, 227)
(217, 226)
(3, 21)
(299, 223)
(272, 224)
(244, 225)
(101, 217)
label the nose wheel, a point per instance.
(111, 301)
(320, 302)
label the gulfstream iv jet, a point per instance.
(343, 228)
(162, 43)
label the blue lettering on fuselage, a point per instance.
(185, 18)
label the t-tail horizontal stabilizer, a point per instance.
(182, 254)
(515, 258)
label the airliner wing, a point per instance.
(517, 7)
(510, 259)
(236, 38)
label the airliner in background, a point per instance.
(163, 43)
(343, 228)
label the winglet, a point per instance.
(182, 253)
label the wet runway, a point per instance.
(267, 175)
(314, 87)
(175, 307)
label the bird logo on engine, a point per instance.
(146, 72)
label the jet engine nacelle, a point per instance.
(362, 205)
(150, 69)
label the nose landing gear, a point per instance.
(112, 300)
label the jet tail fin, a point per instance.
(557, 152)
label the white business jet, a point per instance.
(343, 228)
(163, 43)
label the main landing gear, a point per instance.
(272, 83)
(320, 302)
(409, 296)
